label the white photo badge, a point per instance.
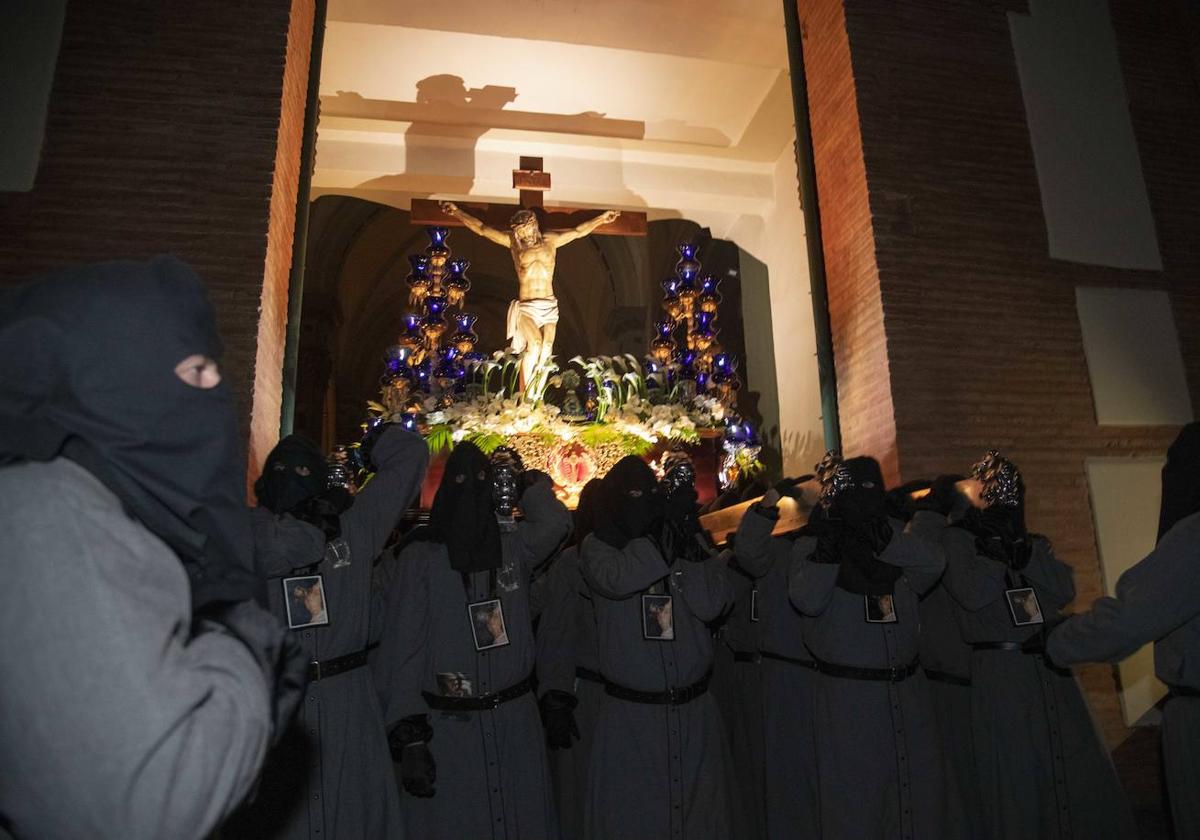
(487, 624)
(1024, 607)
(658, 618)
(880, 609)
(305, 600)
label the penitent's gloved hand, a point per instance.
(558, 719)
(418, 771)
(408, 742)
(277, 652)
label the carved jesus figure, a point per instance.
(533, 317)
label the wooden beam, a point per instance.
(426, 212)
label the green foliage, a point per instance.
(598, 434)
(487, 441)
(439, 438)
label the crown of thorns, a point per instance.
(834, 477)
(1000, 478)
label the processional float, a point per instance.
(573, 420)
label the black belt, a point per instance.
(483, 702)
(791, 660)
(747, 656)
(1183, 691)
(852, 672)
(338, 665)
(947, 677)
(589, 675)
(670, 697)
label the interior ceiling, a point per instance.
(650, 86)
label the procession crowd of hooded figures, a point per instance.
(176, 665)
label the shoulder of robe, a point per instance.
(46, 489)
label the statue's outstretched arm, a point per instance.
(473, 224)
(579, 231)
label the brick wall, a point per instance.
(982, 337)
(272, 323)
(163, 137)
(855, 306)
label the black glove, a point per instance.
(277, 652)
(325, 511)
(791, 486)
(408, 743)
(418, 771)
(558, 719)
(368, 443)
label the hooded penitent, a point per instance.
(295, 480)
(630, 505)
(999, 528)
(294, 472)
(853, 527)
(1180, 479)
(88, 373)
(462, 517)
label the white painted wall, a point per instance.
(777, 237)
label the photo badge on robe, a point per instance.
(455, 684)
(754, 604)
(305, 600)
(1024, 607)
(487, 624)
(880, 609)
(658, 617)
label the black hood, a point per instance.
(630, 505)
(294, 472)
(89, 374)
(462, 516)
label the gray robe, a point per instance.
(566, 641)
(737, 687)
(1157, 600)
(1043, 771)
(492, 775)
(879, 756)
(657, 771)
(945, 658)
(332, 776)
(114, 720)
(789, 757)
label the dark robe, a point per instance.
(331, 777)
(737, 686)
(946, 660)
(879, 757)
(493, 779)
(566, 646)
(657, 771)
(789, 756)
(1156, 600)
(1043, 771)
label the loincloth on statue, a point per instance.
(539, 311)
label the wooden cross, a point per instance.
(532, 181)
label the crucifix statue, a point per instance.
(533, 317)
